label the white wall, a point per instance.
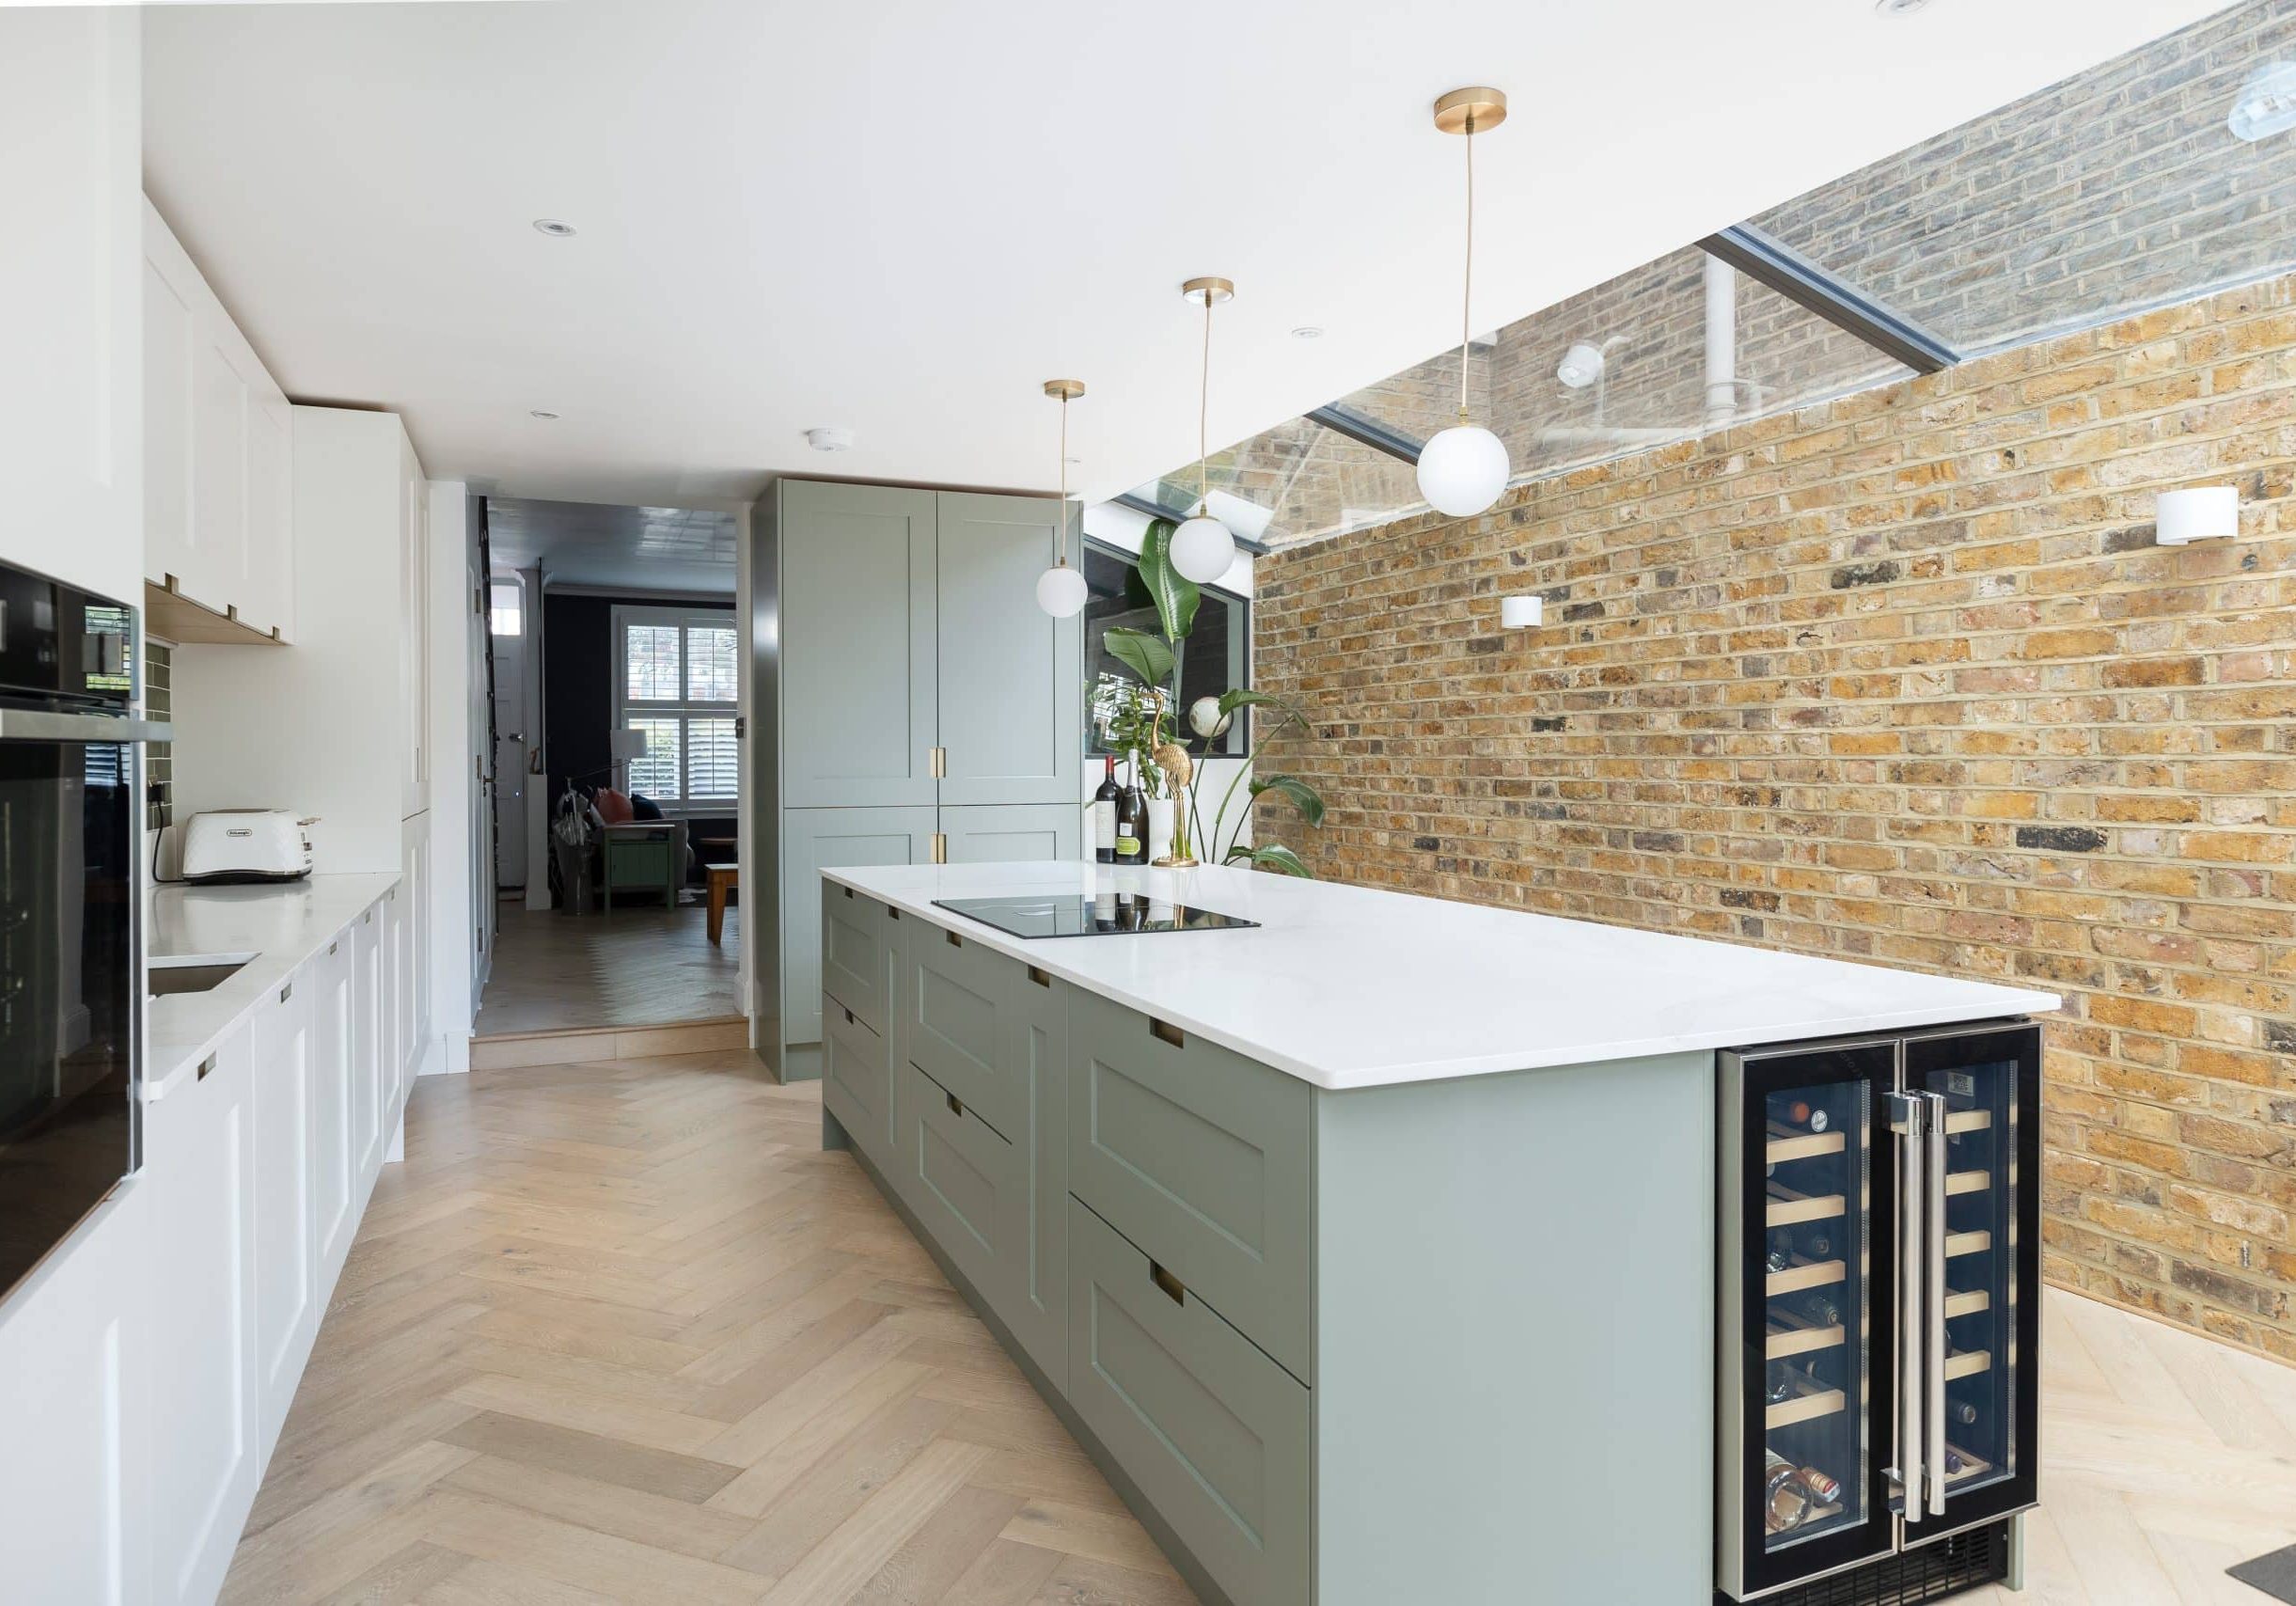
(456, 873)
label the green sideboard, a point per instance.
(1444, 1341)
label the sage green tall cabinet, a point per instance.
(913, 703)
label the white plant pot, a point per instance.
(1159, 828)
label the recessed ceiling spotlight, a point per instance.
(552, 227)
(541, 413)
(829, 440)
(1898, 7)
(1307, 332)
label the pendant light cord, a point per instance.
(1467, 295)
(1059, 531)
(1204, 410)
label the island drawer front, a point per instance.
(854, 933)
(955, 997)
(1213, 1432)
(857, 1078)
(1200, 1156)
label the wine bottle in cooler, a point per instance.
(1104, 813)
(1787, 1497)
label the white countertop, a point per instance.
(1349, 986)
(281, 926)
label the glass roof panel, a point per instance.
(1295, 482)
(2120, 188)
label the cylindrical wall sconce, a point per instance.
(1522, 613)
(2206, 512)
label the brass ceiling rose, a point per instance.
(1064, 389)
(1475, 110)
(1209, 292)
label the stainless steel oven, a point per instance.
(70, 993)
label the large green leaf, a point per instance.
(1176, 596)
(1241, 696)
(1272, 856)
(1304, 797)
(1145, 655)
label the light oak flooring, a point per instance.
(639, 965)
(622, 1332)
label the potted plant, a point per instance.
(1148, 725)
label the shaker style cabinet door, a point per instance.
(1010, 691)
(287, 1300)
(813, 840)
(855, 665)
(990, 833)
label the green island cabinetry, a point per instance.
(1445, 1341)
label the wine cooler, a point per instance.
(1880, 1313)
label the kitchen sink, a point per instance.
(191, 972)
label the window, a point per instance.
(1218, 656)
(506, 608)
(677, 678)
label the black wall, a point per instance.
(578, 696)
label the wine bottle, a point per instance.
(1816, 1307)
(1132, 823)
(1786, 1500)
(1777, 1384)
(1780, 1253)
(1963, 1412)
(1802, 1113)
(1104, 813)
(1816, 1242)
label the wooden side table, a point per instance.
(723, 878)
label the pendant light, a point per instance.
(1202, 548)
(1462, 469)
(1060, 590)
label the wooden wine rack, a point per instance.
(1968, 1182)
(1787, 1144)
(1969, 1121)
(1787, 1207)
(1968, 1362)
(1971, 1466)
(1786, 1339)
(1805, 1407)
(1968, 1304)
(1958, 1244)
(1805, 1274)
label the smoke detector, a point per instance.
(1898, 7)
(555, 228)
(829, 440)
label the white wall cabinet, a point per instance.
(218, 480)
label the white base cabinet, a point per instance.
(147, 1370)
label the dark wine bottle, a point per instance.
(1132, 825)
(1104, 813)
(1802, 1113)
(1816, 1242)
(1778, 1383)
(1963, 1412)
(1780, 1252)
(1816, 1307)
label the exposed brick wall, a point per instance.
(1899, 677)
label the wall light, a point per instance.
(2205, 512)
(1522, 613)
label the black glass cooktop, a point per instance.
(1082, 914)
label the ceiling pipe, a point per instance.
(1722, 342)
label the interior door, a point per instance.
(1011, 675)
(1981, 1319)
(509, 625)
(1808, 1347)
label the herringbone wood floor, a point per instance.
(622, 1332)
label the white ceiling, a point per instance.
(901, 217)
(622, 548)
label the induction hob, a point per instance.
(1081, 914)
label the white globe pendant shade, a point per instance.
(1462, 470)
(1060, 591)
(1202, 549)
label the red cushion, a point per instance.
(613, 808)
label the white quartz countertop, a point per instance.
(1351, 987)
(281, 926)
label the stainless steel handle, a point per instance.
(1908, 1119)
(1933, 1293)
(43, 725)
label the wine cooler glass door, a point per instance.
(1982, 1345)
(1808, 1347)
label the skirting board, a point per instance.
(833, 1136)
(514, 1050)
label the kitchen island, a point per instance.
(1370, 1250)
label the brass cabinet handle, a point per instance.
(848, 1018)
(286, 992)
(954, 941)
(848, 891)
(1167, 1031)
(206, 1066)
(955, 1107)
(1041, 978)
(1174, 1288)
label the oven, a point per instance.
(70, 947)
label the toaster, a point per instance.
(246, 845)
